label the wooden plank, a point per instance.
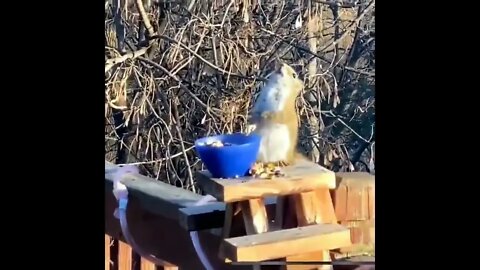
(360, 179)
(303, 177)
(357, 204)
(254, 216)
(146, 264)
(354, 197)
(307, 257)
(156, 197)
(315, 207)
(107, 252)
(360, 231)
(284, 243)
(168, 267)
(124, 256)
(196, 218)
(202, 217)
(340, 202)
(362, 234)
(371, 202)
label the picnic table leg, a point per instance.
(255, 218)
(314, 207)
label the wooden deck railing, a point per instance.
(160, 218)
(119, 255)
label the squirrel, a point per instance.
(274, 118)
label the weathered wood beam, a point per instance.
(302, 177)
(284, 243)
(173, 202)
(156, 197)
(197, 218)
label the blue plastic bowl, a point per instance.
(231, 160)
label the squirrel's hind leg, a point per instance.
(289, 161)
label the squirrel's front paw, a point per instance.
(267, 115)
(283, 164)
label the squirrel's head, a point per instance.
(279, 93)
(288, 78)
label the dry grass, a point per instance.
(199, 70)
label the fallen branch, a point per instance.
(132, 55)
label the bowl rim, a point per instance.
(197, 141)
